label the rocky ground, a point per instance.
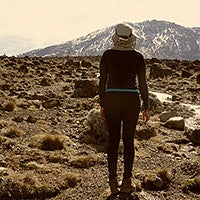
(53, 143)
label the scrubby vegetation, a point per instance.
(53, 142)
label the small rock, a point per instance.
(164, 116)
(186, 74)
(198, 78)
(155, 104)
(51, 103)
(175, 123)
(85, 88)
(193, 135)
(159, 71)
(18, 119)
(145, 132)
(86, 63)
(31, 119)
(46, 82)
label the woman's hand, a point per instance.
(146, 116)
(102, 113)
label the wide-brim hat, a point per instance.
(123, 38)
(123, 31)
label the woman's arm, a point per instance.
(102, 81)
(143, 89)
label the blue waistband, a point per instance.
(122, 90)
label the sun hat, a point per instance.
(123, 38)
(123, 31)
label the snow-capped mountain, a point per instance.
(159, 39)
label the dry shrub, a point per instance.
(32, 165)
(9, 143)
(6, 123)
(136, 144)
(166, 176)
(96, 135)
(168, 148)
(192, 185)
(9, 106)
(138, 185)
(56, 158)
(50, 142)
(96, 123)
(70, 180)
(13, 132)
(25, 186)
(2, 139)
(142, 153)
(158, 180)
(88, 138)
(83, 161)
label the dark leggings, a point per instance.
(121, 107)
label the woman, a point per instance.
(120, 102)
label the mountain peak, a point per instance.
(160, 39)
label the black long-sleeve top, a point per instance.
(119, 69)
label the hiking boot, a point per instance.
(127, 186)
(114, 186)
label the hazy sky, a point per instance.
(31, 24)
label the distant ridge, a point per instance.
(159, 39)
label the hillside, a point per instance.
(53, 143)
(159, 39)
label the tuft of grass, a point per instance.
(168, 148)
(136, 144)
(50, 142)
(2, 139)
(9, 143)
(9, 106)
(192, 185)
(158, 180)
(13, 132)
(166, 175)
(70, 180)
(138, 185)
(142, 153)
(32, 165)
(6, 123)
(83, 161)
(56, 158)
(25, 186)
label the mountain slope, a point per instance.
(158, 39)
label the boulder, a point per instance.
(23, 68)
(175, 123)
(198, 78)
(164, 116)
(49, 104)
(46, 82)
(97, 134)
(185, 74)
(173, 64)
(85, 88)
(85, 63)
(145, 132)
(159, 71)
(154, 60)
(193, 135)
(155, 104)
